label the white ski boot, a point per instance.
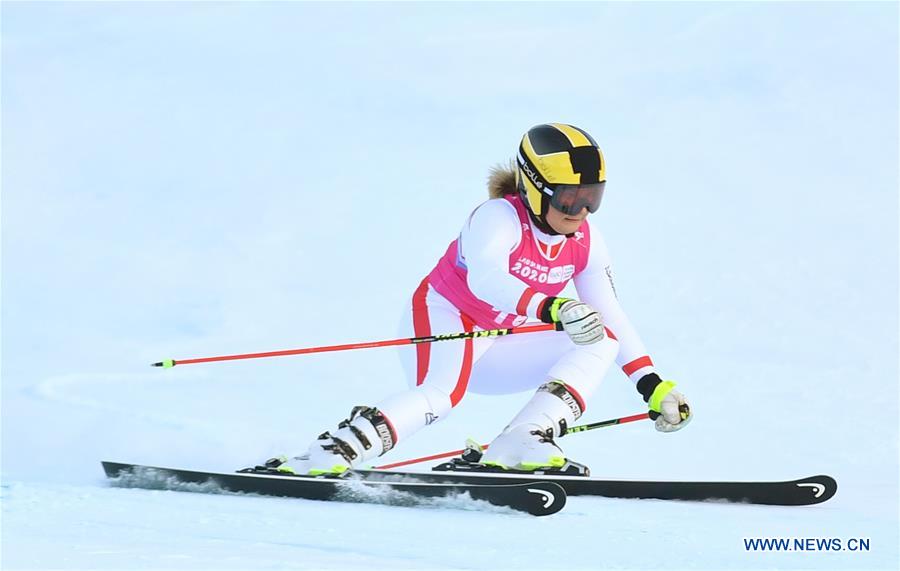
(363, 436)
(527, 443)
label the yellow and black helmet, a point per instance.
(561, 166)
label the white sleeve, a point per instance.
(489, 236)
(596, 288)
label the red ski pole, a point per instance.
(572, 430)
(168, 363)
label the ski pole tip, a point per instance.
(166, 364)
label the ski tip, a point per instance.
(166, 364)
(822, 488)
(545, 498)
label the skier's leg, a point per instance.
(573, 374)
(439, 380)
(437, 373)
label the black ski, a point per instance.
(536, 498)
(802, 492)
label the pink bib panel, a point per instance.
(547, 273)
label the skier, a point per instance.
(515, 254)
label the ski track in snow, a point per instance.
(74, 389)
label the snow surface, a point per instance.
(185, 180)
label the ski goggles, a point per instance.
(572, 198)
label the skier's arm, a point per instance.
(595, 287)
(668, 407)
(491, 233)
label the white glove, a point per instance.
(583, 324)
(668, 407)
(674, 413)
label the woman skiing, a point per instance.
(516, 252)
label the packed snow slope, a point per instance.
(184, 180)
